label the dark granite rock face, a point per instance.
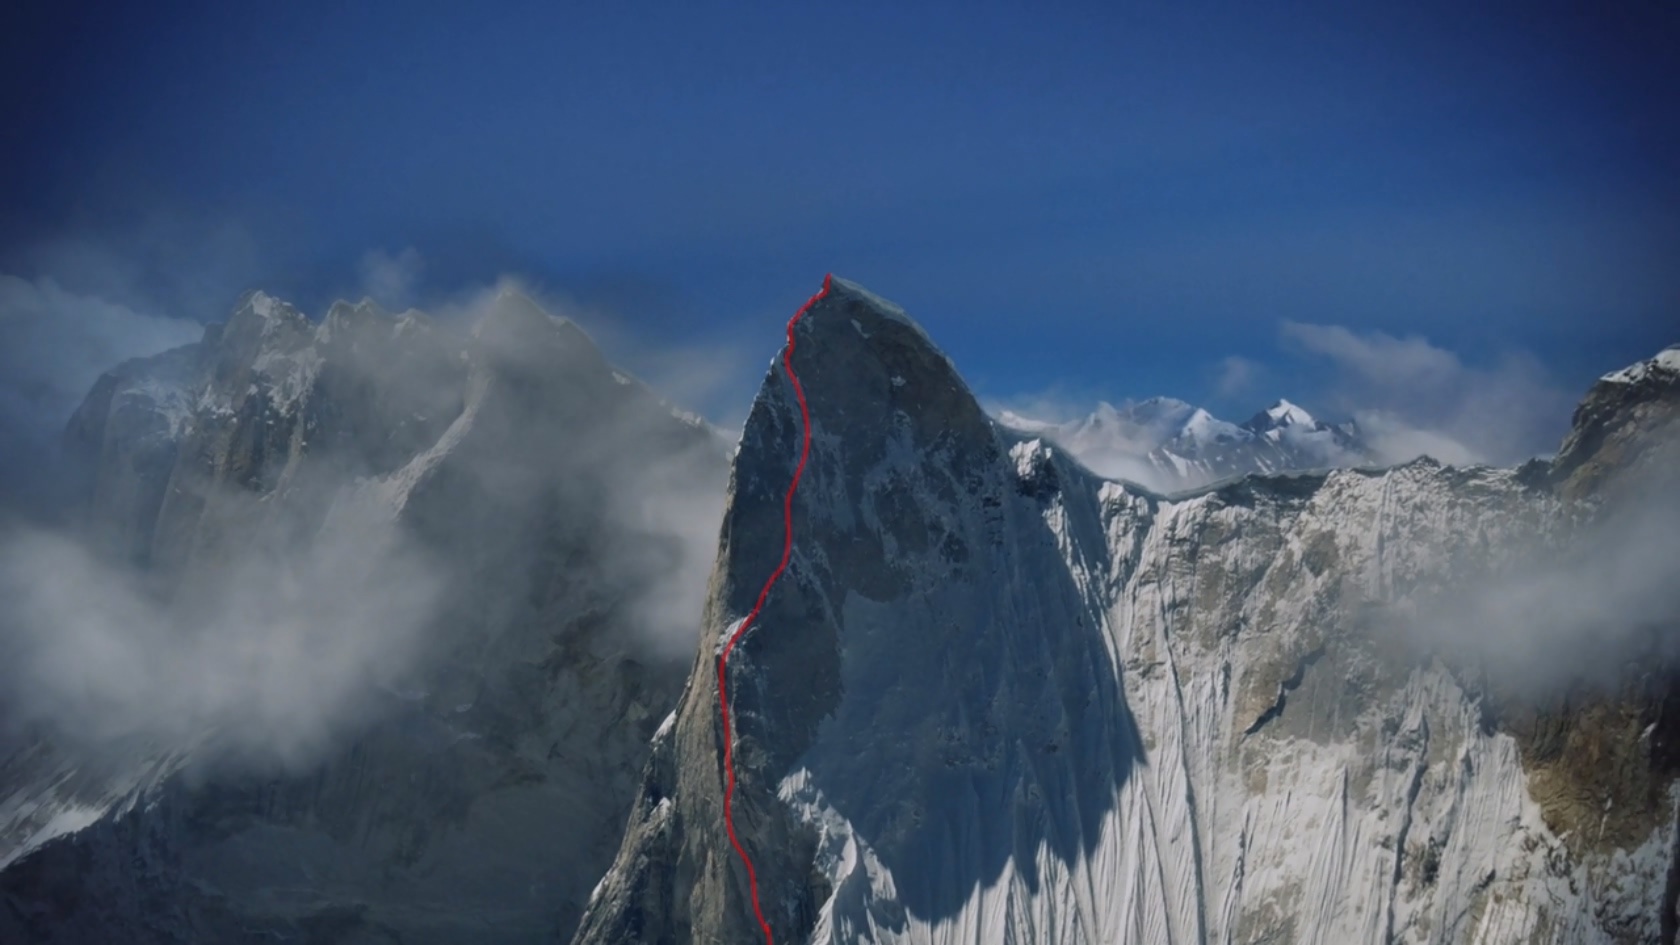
(1623, 429)
(910, 494)
(993, 696)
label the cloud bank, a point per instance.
(1412, 398)
(391, 279)
(1597, 602)
(276, 651)
(662, 499)
(269, 660)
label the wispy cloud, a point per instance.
(712, 377)
(292, 637)
(1118, 448)
(268, 661)
(1055, 404)
(1236, 376)
(54, 343)
(168, 264)
(1577, 607)
(663, 502)
(1411, 397)
(75, 303)
(391, 279)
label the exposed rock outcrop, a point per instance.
(477, 793)
(997, 699)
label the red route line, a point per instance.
(787, 552)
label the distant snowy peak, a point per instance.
(272, 358)
(1164, 417)
(1149, 424)
(1665, 366)
(1166, 444)
(1204, 429)
(1282, 414)
(1324, 443)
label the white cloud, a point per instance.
(166, 264)
(1116, 447)
(665, 506)
(1053, 405)
(73, 305)
(1236, 376)
(279, 654)
(1375, 357)
(271, 657)
(54, 343)
(1412, 398)
(391, 279)
(1579, 609)
(1396, 439)
(715, 378)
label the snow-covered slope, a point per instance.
(1665, 364)
(1170, 446)
(478, 795)
(997, 699)
(1618, 424)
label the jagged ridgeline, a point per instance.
(996, 698)
(451, 552)
(1169, 446)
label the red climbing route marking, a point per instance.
(787, 552)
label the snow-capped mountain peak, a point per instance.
(1285, 414)
(261, 315)
(997, 699)
(1203, 429)
(550, 503)
(1169, 445)
(1667, 361)
(264, 305)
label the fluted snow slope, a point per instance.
(997, 699)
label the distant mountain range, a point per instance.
(1168, 445)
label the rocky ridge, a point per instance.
(478, 793)
(998, 698)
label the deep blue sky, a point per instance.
(1068, 196)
